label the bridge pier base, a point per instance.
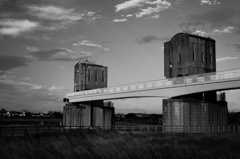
(192, 115)
(87, 115)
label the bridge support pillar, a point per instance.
(191, 115)
(85, 115)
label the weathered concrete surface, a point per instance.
(183, 115)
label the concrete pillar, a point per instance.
(184, 115)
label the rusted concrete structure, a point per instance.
(88, 76)
(187, 54)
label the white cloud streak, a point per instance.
(215, 31)
(156, 7)
(209, 2)
(31, 48)
(87, 43)
(225, 30)
(226, 59)
(55, 88)
(16, 27)
(55, 13)
(129, 15)
(129, 4)
(119, 20)
(161, 5)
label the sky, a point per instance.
(42, 40)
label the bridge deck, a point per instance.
(166, 88)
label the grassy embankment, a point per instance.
(104, 144)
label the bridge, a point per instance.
(166, 88)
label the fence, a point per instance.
(36, 130)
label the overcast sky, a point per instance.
(42, 40)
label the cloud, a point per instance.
(215, 31)
(215, 18)
(55, 13)
(147, 39)
(31, 48)
(87, 43)
(16, 27)
(155, 7)
(225, 30)
(60, 67)
(161, 5)
(50, 18)
(107, 49)
(29, 96)
(226, 59)
(65, 16)
(129, 4)
(26, 78)
(129, 15)
(209, 2)
(55, 88)
(60, 54)
(237, 46)
(37, 87)
(11, 62)
(119, 20)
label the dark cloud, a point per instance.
(237, 46)
(20, 95)
(10, 62)
(147, 39)
(47, 55)
(58, 55)
(215, 18)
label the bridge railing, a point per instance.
(184, 80)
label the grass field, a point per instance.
(109, 144)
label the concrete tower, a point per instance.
(87, 76)
(187, 54)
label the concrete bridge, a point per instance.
(166, 88)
